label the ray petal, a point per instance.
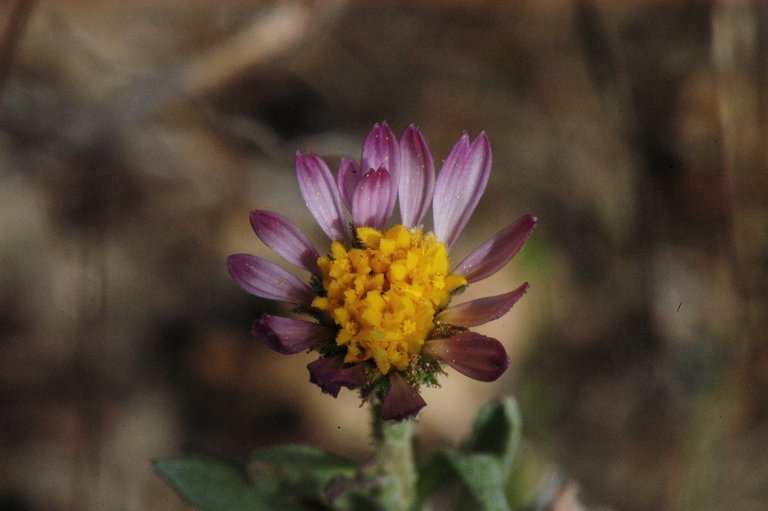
(401, 401)
(417, 177)
(381, 149)
(330, 375)
(492, 255)
(371, 200)
(459, 186)
(477, 356)
(287, 240)
(267, 280)
(288, 335)
(321, 195)
(481, 311)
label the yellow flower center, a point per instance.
(384, 296)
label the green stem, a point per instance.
(394, 463)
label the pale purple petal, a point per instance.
(417, 177)
(371, 200)
(477, 356)
(401, 401)
(349, 175)
(492, 255)
(459, 186)
(321, 195)
(330, 375)
(287, 335)
(267, 280)
(481, 311)
(381, 149)
(282, 236)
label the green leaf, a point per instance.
(484, 471)
(357, 500)
(480, 475)
(436, 473)
(483, 479)
(302, 470)
(283, 478)
(214, 485)
(496, 431)
(301, 460)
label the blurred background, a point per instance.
(135, 137)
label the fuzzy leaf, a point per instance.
(304, 471)
(214, 485)
(479, 474)
(482, 477)
(435, 474)
(357, 500)
(497, 430)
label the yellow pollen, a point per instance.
(384, 296)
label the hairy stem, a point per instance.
(394, 463)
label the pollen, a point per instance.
(384, 293)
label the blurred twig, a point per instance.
(557, 493)
(10, 37)
(269, 36)
(740, 63)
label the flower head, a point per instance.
(380, 298)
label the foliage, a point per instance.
(294, 477)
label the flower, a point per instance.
(377, 307)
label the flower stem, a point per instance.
(394, 463)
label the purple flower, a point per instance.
(380, 298)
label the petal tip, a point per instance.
(474, 355)
(370, 201)
(402, 401)
(287, 335)
(234, 261)
(330, 375)
(266, 335)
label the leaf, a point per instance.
(483, 472)
(480, 475)
(214, 485)
(357, 500)
(435, 474)
(301, 460)
(496, 431)
(304, 472)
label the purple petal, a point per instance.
(349, 176)
(267, 280)
(417, 177)
(402, 401)
(459, 186)
(477, 356)
(321, 195)
(481, 311)
(381, 149)
(371, 200)
(492, 255)
(330, 375)
(288, 336)
(279, 234)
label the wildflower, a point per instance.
(377, 306)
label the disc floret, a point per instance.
(384, 293)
